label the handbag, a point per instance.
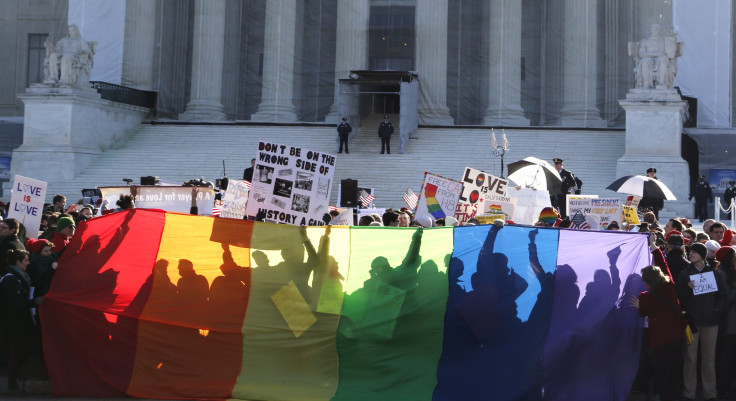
(690, 327)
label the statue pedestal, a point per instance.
(66, 128)
(653, 139)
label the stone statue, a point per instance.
(656, 60)
(69, 63)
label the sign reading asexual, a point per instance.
(291, 185)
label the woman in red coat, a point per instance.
(666, 332)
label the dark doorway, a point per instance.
(385, 100)
(391, 42)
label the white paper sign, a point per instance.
(26, 203)
(171, 199)
(439, 196)
(345, 218)
(481, 192)
(291, 185)
(234, 200)
(704, 283)
(528, 203)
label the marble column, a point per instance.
(431, 62)
(138, 47)
(205, 101)
(351, 47)
(277, 99)
(580, 66)
(504, 67)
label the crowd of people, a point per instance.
(668, 365)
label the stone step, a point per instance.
(178, 153)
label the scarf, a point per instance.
(22, 274)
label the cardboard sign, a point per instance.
(601, 210)
(480, 189)
(26, 203)
(345, 218)
(171, 199)
(291, 185)
(439, 196)
(704, 283)
(234, 200)
(630, 215)
(528, 203)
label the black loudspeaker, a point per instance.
(348, 193)
(150, 180)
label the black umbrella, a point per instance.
(535, 173)
(642, 186)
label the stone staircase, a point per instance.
(177, 153)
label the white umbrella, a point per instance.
(535, 173)
(643, 186)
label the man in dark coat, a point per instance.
(384, 132)
(570, 185)
(248, 173)
(653, 204)
(676, 260)
(343, 131)
(702, 194)
(8, 240)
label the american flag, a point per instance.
(332, 208)
(247, 185)
(579, 221)
(411, 199)
(217, 207)
(365, 198)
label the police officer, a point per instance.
(343, 130)
(655, 205)
(570, 185)
(384, 132)
(702, 194)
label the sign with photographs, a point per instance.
(439, 196)
(291, 185)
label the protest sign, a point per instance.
(704, 283)
(439, 196)
(601, 210)
(291, 185)
(171, 199)
(630, 215)
(26, 203)
(569, 197)
(234, 200)
(528, 203)
(479, 191)
(633, 201)
(366, 212)
(490, 218)
(345, 218)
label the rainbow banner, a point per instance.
(162, 305)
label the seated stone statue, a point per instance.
(70, 61)
(656, 60)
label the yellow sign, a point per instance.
(630, 215)
(490, 218)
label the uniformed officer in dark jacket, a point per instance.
(655, 205)
(384, 132)
(570, 185)
(343, 130)
(702, 194)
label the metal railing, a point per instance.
(123, 94)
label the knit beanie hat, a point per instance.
(712, 246)
(700, 249)
(36, 245)
(549, 216)
(722, 253)
(63, 223)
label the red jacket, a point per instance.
(665, 325)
